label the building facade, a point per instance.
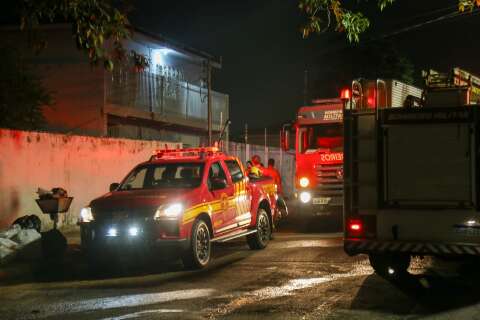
(167, 101)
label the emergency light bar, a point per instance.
(184, 153)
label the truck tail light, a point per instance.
(355, 227)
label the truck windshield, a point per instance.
(325, 137)
(165, 175)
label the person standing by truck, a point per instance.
(272, 172)
(256, 169)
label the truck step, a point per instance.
(235, 235)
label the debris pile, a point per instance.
(24, 231)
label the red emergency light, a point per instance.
(345, 94)
(354, 227)
(184, 153)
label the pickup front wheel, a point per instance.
(259, 239)
(198, 256)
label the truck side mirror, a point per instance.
(285, 137)
(114, 186)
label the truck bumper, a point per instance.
(333, 209)
(358, 246)
(94, 240)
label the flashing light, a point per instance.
(355, 226)
(372, 99)
(371, 102)
(133, 231)
(170, 211)
(304, 182)
(391, 271)
(112, 232)
(184, 153)
(345, 94)
(305, 197)
(86, 215)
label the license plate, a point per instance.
(321, 200)
(467, 231)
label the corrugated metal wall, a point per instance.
(284, 162)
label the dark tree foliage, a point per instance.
(381, 59)
(22, 96)
(322, 14)
(98, 27)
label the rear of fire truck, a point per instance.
(411, 181)
(319, 160)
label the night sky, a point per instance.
(264, 56)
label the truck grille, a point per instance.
(330, 179)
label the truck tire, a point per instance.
(259, 240)
(198, 255)
(390, 265)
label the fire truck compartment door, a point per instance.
(429, 166)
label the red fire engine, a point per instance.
(319, 159)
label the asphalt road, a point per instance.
(299, 276)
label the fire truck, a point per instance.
(319, 144)
(412, 186)
(175, 205)
(319, 159)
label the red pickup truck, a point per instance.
(180, 201)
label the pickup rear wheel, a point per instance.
(198, 256)
(259, 239)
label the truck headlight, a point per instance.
(305, 197)
(86, 215)
(304, 182)
(169, 211)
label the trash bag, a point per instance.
(59, 193)
(55, 193)
(29, 222)
(11, 232)
(4, 251)
(54, 244)
(9, 244)
(26, 236)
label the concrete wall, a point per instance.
(84, 166)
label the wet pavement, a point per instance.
(299, 276)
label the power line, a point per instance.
(428, 22)
(451, 15)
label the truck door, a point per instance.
(223, 215)
(242, 198)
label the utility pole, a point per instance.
(209, 103)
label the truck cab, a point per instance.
(319, 160)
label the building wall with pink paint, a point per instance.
(84, 166)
